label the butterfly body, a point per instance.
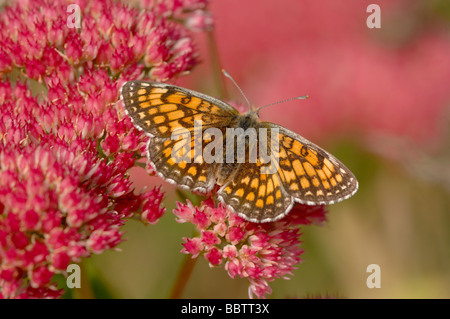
(303, 173)
(247, 120)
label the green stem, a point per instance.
(183, 277)
(140, 164)
(85, 291)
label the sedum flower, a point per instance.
(65, 144)
(192, 13)
(258, 252)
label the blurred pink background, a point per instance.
(360, 80)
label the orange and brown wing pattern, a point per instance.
(160, 109)
(305, 173)
(191, 173)
(310, 174)
(166, 112)
(252, 189)
(300, 171)
(255, 196)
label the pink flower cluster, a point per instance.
(191, 12)
(65, 145)
(258, 252)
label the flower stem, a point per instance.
(183, 277)
(85, 291)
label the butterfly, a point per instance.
(304, 172)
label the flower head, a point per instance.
(258, 252)
(65, 144)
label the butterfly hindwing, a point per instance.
(304, 173)
(255, 196)
(187, 172)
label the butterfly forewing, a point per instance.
(160, 109)
(310, 174)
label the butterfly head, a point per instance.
(249, 119)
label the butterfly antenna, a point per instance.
(303, 97)
(240, 90)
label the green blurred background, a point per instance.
(379, 102)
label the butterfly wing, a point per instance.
(309, 173)
(166, 113)
(159, 109)
(187, 173)
(255, 196)
(303, 173)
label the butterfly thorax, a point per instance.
(249, 119)
(243, 121)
